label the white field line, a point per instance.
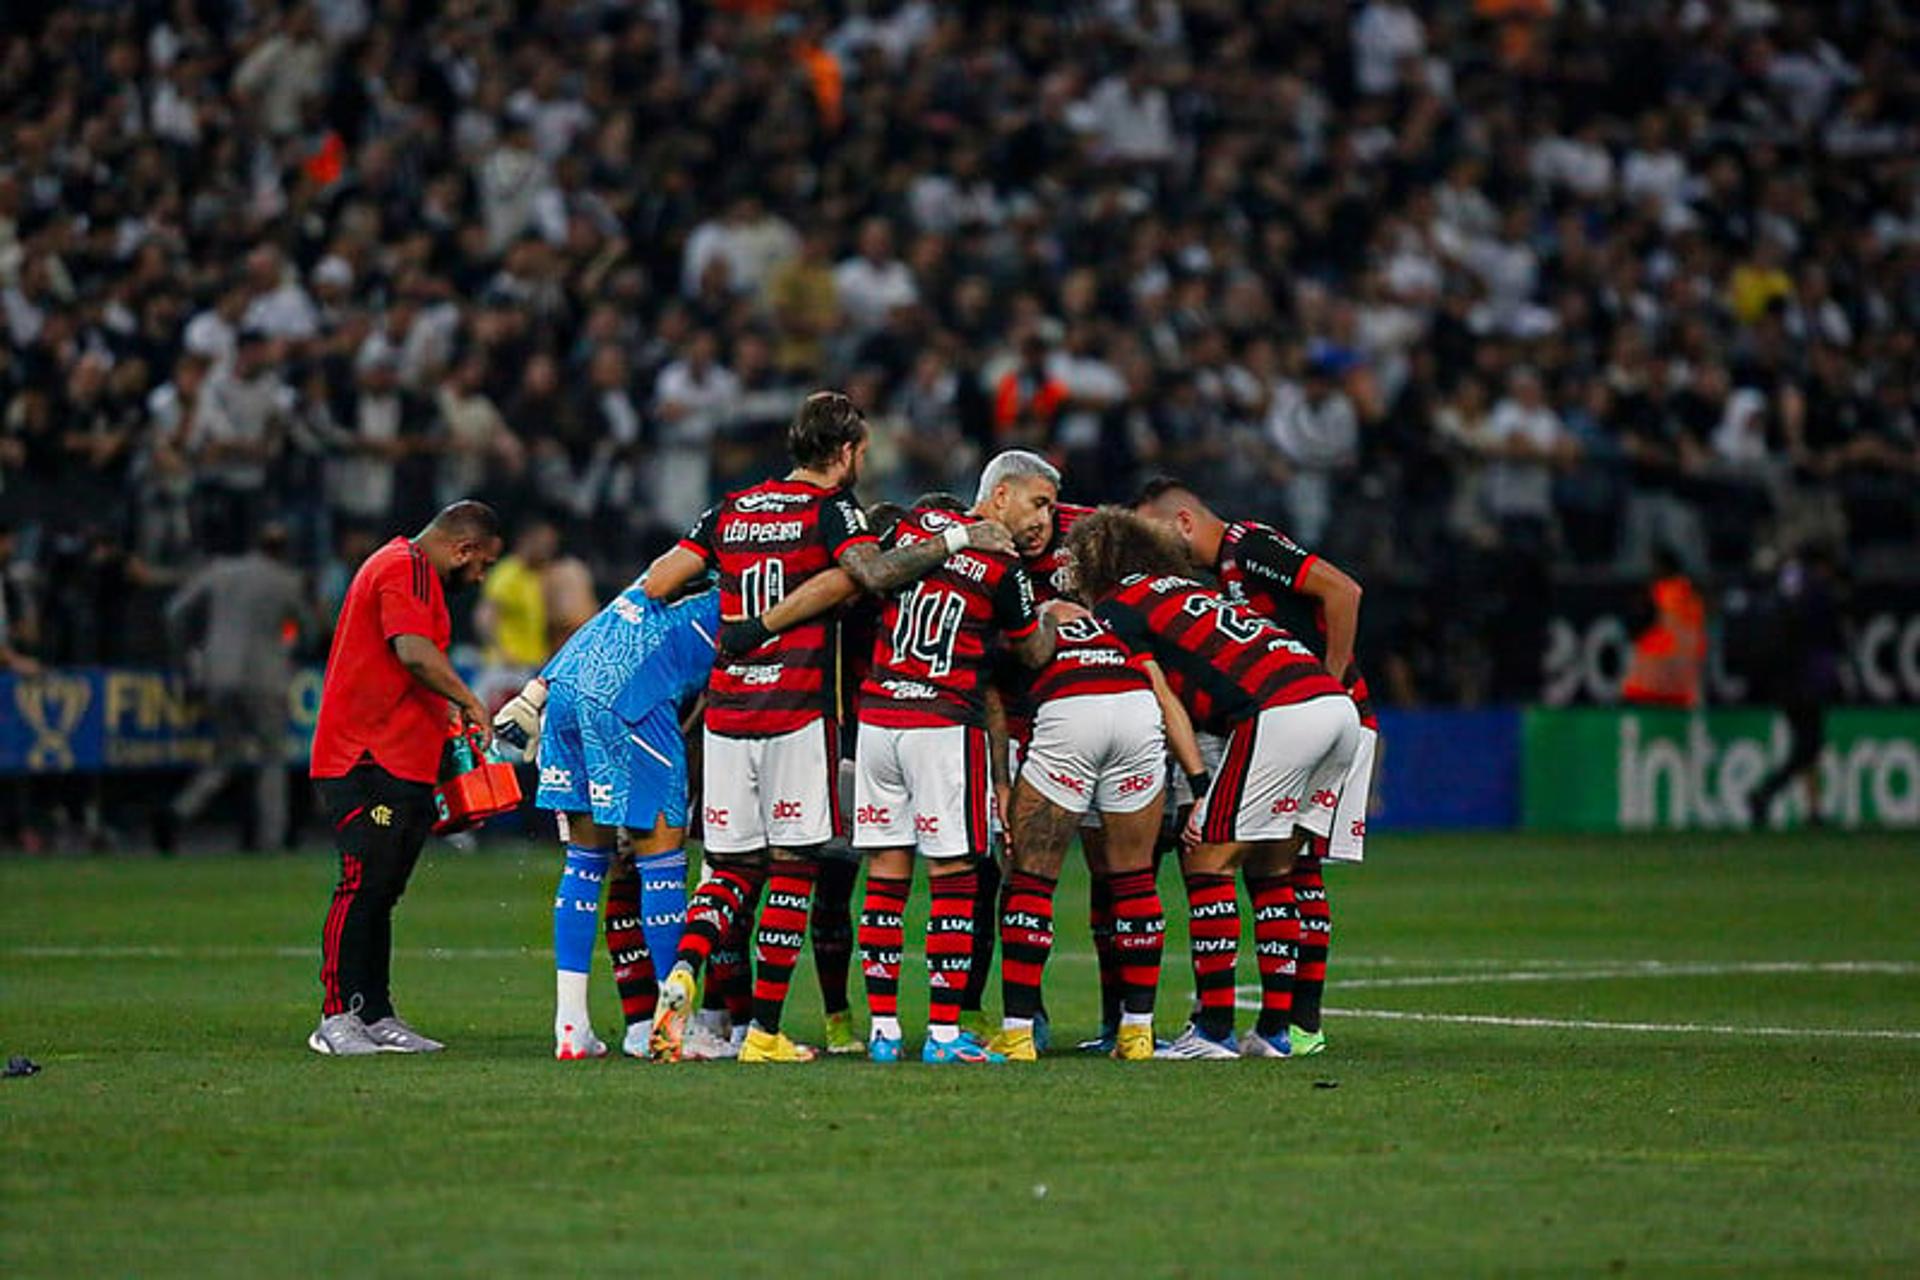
(1636, 969)
(1589, 1024)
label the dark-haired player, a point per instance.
(770, 748)
(923, 760)
(1269, 572)
(1291, 731)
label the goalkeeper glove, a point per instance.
(516, 726)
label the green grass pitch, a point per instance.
(182, 1128)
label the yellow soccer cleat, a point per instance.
(670, 1019)
(1015, 1045)
(1133, 1044)
(775, 1046)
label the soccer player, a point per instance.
(1264, 569)
(1291, 731)
(1104, 717)
(924, 763)
(770, 751)
(604, 715)
(384, 718)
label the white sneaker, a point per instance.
(392, 1035)
(1194, 1045)
(573, 1044)
(639, 1037)
(707, 1043)
(342, 1036)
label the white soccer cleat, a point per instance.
(639, 1036)
(342, 1036)
(708, 1043)
(392, 1035)
(1195, 1045)
(575, 1044)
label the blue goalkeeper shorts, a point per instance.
(623, 774)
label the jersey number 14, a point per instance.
(927, 627)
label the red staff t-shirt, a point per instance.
(370, 707)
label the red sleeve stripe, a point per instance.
(1300, 574)
(862, 536)
(688, 544)
(1023, 632)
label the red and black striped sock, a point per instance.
(833, 930)
(986, 930)
(949, 944)
(1026, 939)
(1213, 925)
(732, 979)
(1139, 937)
(882, 935)
(1316, 940)
(627, 945)
(783, 931)
(1276, 942)
(711, 912)
(1100, 925)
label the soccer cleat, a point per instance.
(1195, 1045)
(1042, 1032)
(636, 1043)
(883, 1049)
(1101, 1044)
(705, 1042)
(976, 1023)
(342, 1036)
(1256, 1045)
(1307, 1043)
(392, 1035)
(1134, 1044)
(774, 1046)
(576, 1044)
(841, 1039)
(1015, 1045)
(963, 1049)
(670, 1018)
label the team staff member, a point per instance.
(376, 752)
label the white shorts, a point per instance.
(1104, 752)
(1283, 771)
(1349, 838)
(924, 789)
(770, 792)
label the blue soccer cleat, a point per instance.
(1101, 1044)
(961, 1049)
(883, 1049)
(1042, 1032)
(1255, 1045)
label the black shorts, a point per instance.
(375, 815)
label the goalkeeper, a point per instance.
(603, 718)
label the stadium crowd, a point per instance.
(1516, 283)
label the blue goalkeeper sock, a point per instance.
(663, 905)
(576, 908)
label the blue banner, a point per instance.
(1447, 769)
(86, 719)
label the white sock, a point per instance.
(570, 1003)
(1016, 1024)
(885, 1029)
(943, 1033)
(1136, 1019)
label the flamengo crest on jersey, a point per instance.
(764, 543)
(1223, 660)
(930, 653)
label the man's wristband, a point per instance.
(744, 636)
(956, 539)
(1198, 783)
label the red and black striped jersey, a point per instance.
(1049, 571)
(1222, 659)
(930, 655)
(1264, 569)
(1089, 660)
(763, 543)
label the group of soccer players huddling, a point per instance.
(1015, 674)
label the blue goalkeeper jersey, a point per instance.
(637, 654)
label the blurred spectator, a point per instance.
(511, 618)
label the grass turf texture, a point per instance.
(181, 1127)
